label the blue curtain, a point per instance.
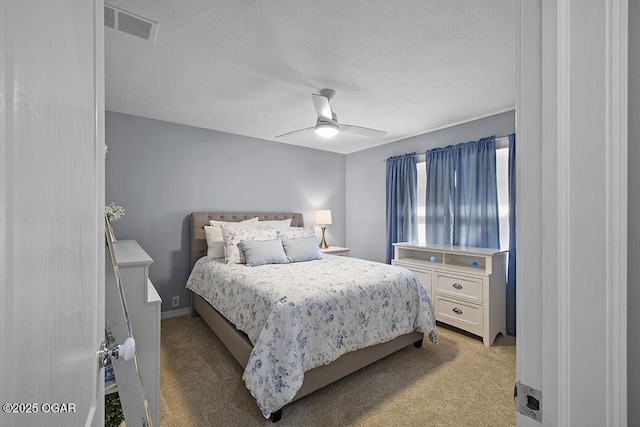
(476, 221)
(402, 180)
(462, 195)
(511, 275)
(440, 197)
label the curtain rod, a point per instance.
(501, 142)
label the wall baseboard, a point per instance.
(175, 313)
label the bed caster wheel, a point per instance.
(275, 416)
(418, 344)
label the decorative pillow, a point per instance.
(302, 249)
(213, 233)
(296, 232)
(261, 252)
(275, 224)
(233, 235)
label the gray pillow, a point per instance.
(303, 249)
(261, 252)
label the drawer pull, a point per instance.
(458, 286)
(456, 310)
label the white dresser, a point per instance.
(143, 304)
(466, 285)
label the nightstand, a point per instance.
(336, 250)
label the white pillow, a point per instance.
(232, 236)
(274, 224)
(215, 248)
(296, 232)
(213, 233)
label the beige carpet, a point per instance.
(458, 382)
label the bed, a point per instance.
(272, 379)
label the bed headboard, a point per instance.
(200, 219)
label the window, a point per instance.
(422, 196)
(502, 178)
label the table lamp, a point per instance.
(323, 218)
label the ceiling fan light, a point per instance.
(327, 130)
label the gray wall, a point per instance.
(366, 179)
(160, 172)
(633, 270)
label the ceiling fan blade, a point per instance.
(362, 131)
(296, 131)
(321, 104)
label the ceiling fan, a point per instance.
(327, 124)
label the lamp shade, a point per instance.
(323, 217)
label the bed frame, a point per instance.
(238, 343)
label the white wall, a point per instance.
(366, 179)
(633, 272)
(161, 172)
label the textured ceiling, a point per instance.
(249, 67)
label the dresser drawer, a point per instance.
(425, 278)
(456, 313)
(468, 288)
(423, 275)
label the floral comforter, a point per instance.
(303, 315)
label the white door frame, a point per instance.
(571, 114)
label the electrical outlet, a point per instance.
(175, 302)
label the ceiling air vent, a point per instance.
(126, 22)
